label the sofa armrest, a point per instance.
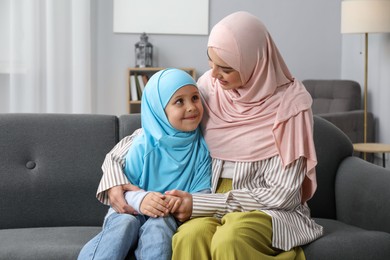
(363, 194)
(352, 124)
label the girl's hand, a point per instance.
(154, 205)
(184, 211)
(173, 203)
(117, 198)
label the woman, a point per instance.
(258, 127)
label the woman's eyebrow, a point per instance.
(223, 67)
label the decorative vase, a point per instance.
(143, 52)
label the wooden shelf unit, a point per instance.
(134, 106)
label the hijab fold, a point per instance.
(270, 114)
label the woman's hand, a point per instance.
(154, 205)
(184, 211)
(117, 198)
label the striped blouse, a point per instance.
(255, 187)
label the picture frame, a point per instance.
(189, 17)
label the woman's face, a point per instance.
(226, 75)
(184, 110)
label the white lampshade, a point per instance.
(365, 16)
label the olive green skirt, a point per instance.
(237, 235)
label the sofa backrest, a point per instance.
(330, 96)
(50, 167)
(332, 147)
(128, 124)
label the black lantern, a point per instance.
(143, 52)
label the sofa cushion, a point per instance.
(44, 243)
(50, 167)
(330, 96)
(342, 241)
(352, 124)
(128, 124)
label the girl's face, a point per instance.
(184, 110)
(226, 75)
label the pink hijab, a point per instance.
(270, 114)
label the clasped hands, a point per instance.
(175, 202)
(156, 204)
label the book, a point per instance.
(145, 79)
(141, 82)
(133, 88)
(139, 91)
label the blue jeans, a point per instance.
(121, 232)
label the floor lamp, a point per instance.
(365, 16)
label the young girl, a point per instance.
(168, 153)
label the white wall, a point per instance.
(307, 33)
(378, 75)
(4, 52)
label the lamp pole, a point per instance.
(365, 88)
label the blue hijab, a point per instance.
(163, 158)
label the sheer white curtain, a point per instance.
(49, 57)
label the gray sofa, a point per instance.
(50, 169)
